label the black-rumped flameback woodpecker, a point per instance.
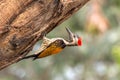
(55, 45)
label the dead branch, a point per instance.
(22, 23)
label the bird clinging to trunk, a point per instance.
(55, 45)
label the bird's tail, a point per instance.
(34, 56)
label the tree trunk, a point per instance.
(23, 23)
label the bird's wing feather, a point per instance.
(44, 45)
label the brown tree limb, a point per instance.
(22, 23)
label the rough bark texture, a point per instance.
(22, 23)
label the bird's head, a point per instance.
(74, 39)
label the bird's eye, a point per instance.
(74, 35)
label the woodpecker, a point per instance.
(55, 45)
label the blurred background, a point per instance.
(98, 23)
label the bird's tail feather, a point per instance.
(34, 56)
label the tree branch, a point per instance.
(23, 23)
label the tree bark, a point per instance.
(23, 23)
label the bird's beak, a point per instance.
(70, 34)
